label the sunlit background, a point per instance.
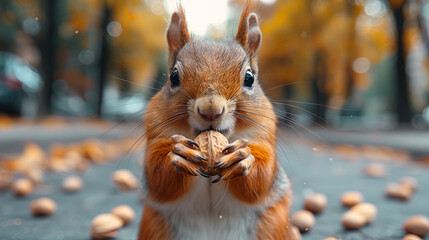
(348, 64)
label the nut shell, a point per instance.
(105, 226)
(124, 180)
(72, 184)
(375, 170)
(316, 203)
(211, 145)
(43, 207)
(304, 220)
(352, 220)
(367, 210)
(124, 212)
(409, 182)
(351, 198)
(418, 225)
(22, 187)
(398, 191)
(411, 237)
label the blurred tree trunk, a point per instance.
(319, 88)
(351, 49)
(422, 23)
(318, 78)
(402, 104)
(48, 51)
(103, 61)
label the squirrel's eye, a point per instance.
(249, 79)
(174, 78)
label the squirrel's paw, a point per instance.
(186, 157)
(237, 160)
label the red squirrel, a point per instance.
(213, 86)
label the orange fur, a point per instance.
(274, 222)
(171, 185)
(153, 226)
(260, 178)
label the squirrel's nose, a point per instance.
(211, 114)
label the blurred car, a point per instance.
(19, 84)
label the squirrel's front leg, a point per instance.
(170, 167)
(249, 169)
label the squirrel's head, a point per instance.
(214, 79)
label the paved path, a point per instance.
(309, 170)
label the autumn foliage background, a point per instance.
(349, 64)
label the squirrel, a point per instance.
(213, 85)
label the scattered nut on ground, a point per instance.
(316, 203)
(330, 238)
(124, 180)
(352, 220)
(295, 233)
(72, 184)
(411, 237)
(304, 220)
(43, 207)
(417, 224)
(6, 179)
(36, 175)
(367, 210)
(409, 182)
(22, 187)
(376, 170)
(351, 198)
(105, 226)
(124, 212)
(398, 191)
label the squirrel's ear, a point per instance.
(177, 33)
(249, 34)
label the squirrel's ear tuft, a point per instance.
(249, 34)
(177, 33)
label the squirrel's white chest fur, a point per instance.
(208, 212)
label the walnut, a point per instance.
(211, 145)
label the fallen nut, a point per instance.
(417, 224)
(72, 184)
(375, 170)
(304, 220)
(411, 237)
(316, 203)
(43, 206)
(211, 144)
(6, 179)
(351, 198)
(330, 238)
(352, 220)
(124, 180)
(105, 226)
(36, 175)
(22, 187)
(398, 191)
(367, 210)
(295, 233)
(409, 182)
(124, 212)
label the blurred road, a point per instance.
(310, 170)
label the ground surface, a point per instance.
(309, 169)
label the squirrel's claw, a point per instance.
(185, 141)
(188, 153)
(217, 179)
(237, 144)
(183, 165)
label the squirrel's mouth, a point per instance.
(223, 131)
